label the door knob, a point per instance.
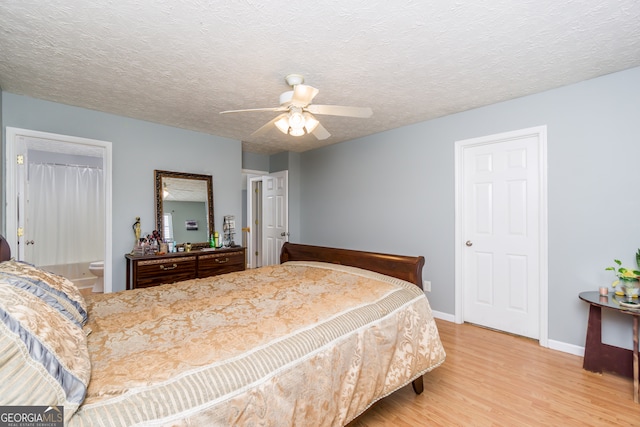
(469, 243)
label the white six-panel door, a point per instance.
(274, 216)
(500, 243)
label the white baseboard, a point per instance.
(444, 316)
(553, 345)
(566, 348)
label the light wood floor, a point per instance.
(495, 379)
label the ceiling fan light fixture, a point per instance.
(296, 131)
(310, 122)
(297, 111)
(283, 125)
(296, 119)
(292, 124)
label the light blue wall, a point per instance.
(394, 191)
(255, 161)
(139, 147)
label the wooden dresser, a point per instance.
(153, 270)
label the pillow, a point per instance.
(44, 358)
(57, 291)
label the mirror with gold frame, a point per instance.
(184, 207)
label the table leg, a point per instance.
(599, 357)
(635, 359)
(591, 360)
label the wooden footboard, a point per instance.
(402, 267)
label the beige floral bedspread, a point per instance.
(301, 343)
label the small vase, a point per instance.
(631, 288)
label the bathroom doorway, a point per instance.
(59, 204)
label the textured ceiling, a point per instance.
(181, 62)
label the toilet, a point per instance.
(97, 269)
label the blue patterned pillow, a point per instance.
(44, 358)
(57, 291)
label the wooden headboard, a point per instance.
(407, 268)
(5, 250)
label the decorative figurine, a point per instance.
(136, 229)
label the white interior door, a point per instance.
(502, 281)
(275, 225)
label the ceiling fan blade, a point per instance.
(320, 132)
(340, 110)
(268, 125)
(255, 109)
(303, 95)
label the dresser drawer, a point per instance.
(213, 264)
(165, 270)
(152, 270)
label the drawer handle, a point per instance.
(162, 267)
(222, 261)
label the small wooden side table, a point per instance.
(599, 357)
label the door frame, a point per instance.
(12, 135)
(539, 132)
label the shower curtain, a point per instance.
(65, 214)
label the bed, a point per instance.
(315, 341)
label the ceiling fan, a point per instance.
(297, 111)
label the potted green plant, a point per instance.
(626, 278)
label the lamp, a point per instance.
(310, 122)
(296, 122)
(296, 131)
(283, 124)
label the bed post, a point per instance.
(418, 385)
(5, 250)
